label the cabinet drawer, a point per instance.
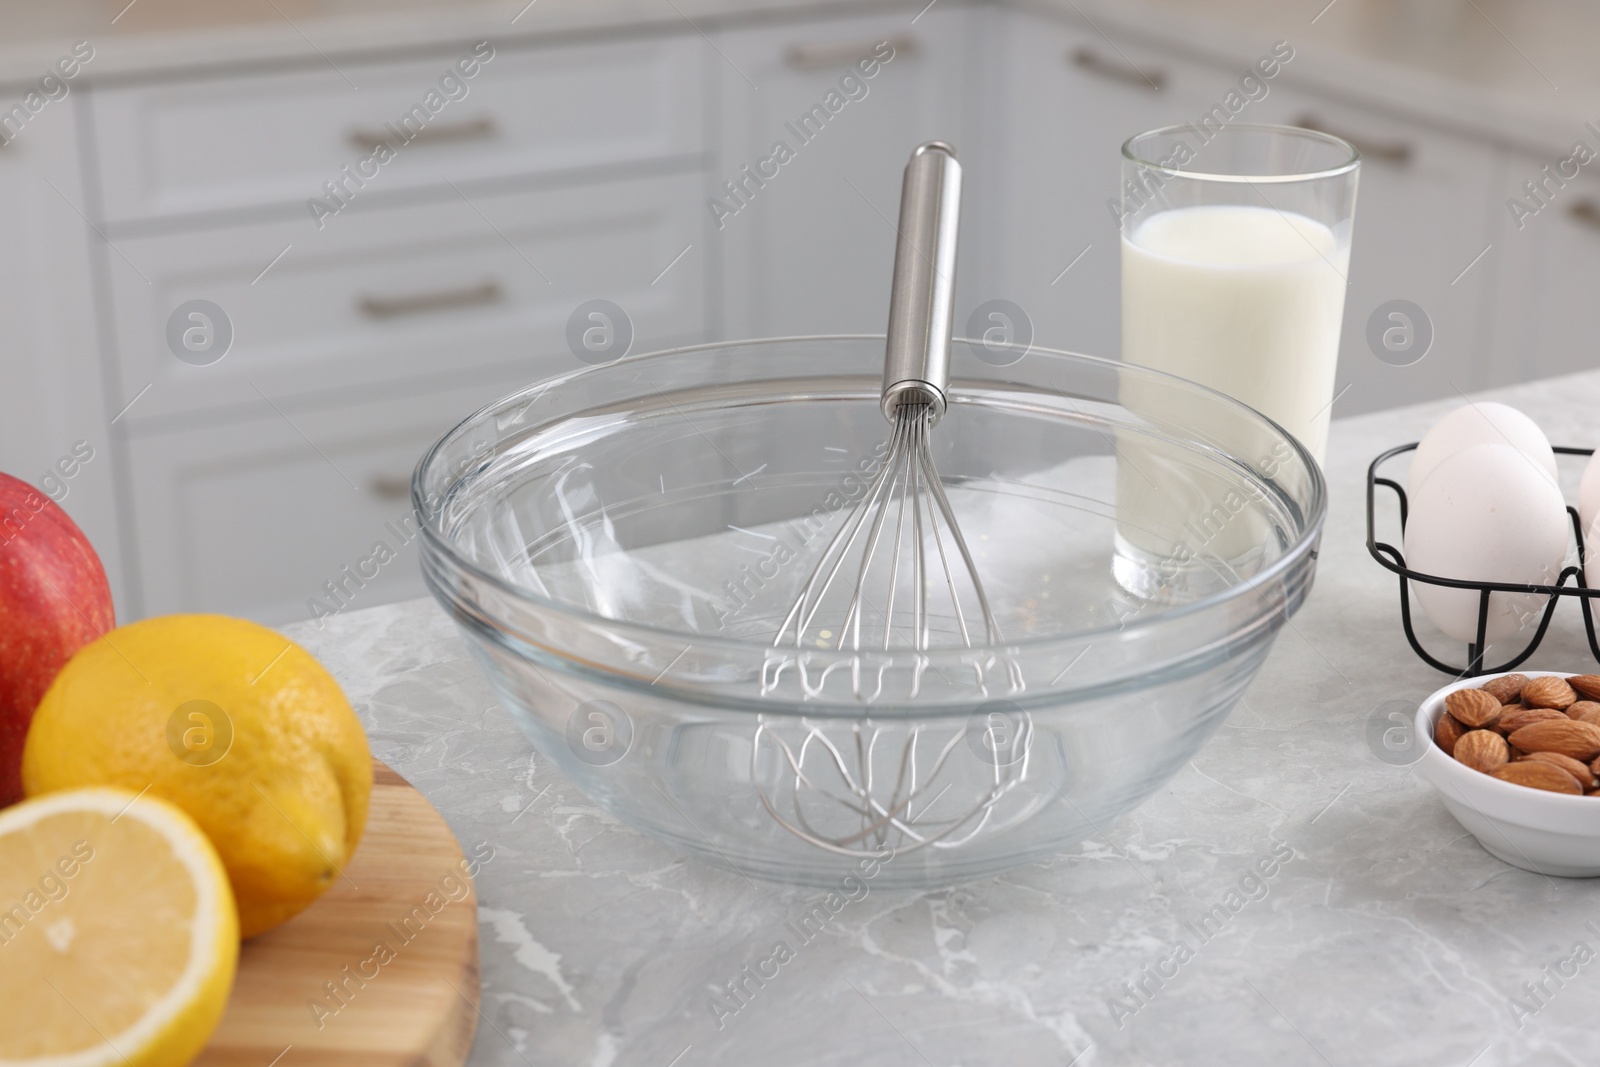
(235, 142)
(390, 295)
(255, 517)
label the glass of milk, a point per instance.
(1235, 261)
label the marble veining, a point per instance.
(1382, 935)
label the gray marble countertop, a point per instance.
(1387, 935)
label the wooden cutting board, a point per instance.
(397, 938)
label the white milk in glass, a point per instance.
(1247, 300)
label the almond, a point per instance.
(1447, 732)
(1549, 692)
(1505, 709)
(1507, 689)
(1579, 771)
(1472, 707)
(1539, 776)
(1482, 750)
(1514, 717)
(1587, 684)
(1579, 740)
(1585, 711)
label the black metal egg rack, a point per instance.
(1570, 583)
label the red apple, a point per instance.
(54, 599)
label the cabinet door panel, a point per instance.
(55, 394)
(1544, 322)
(1422, 218)
(812, 251)
(1066, 99)
(256, 518)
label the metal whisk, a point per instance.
(916, 373)
(859, 786)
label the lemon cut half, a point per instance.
(118, 932)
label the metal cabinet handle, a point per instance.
(817, 56)
(1587, 212)
(1092, 62)
(388, 307)
(481, 128)
(1397, 153)
(389, 488)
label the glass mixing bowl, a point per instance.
(620, 545)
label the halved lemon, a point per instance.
(118, 932)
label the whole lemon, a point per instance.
(233, 723)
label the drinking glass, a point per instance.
(1235, 260)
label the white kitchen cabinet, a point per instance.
(397, 295)
(1063, 101)
(252, 518)
(226, 142)
(1544, 312)
(567, 173)
(54, 394)
(811, 250)
(582, 169)
(1423, 215)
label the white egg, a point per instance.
(1485, 515)
(1482, 422)
(1589, 493)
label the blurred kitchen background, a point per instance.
(227, 385)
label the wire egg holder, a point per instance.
(1392, 560)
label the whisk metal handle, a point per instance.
(916, 363)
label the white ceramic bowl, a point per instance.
(1547, 833)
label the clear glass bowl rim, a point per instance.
(435, 542)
